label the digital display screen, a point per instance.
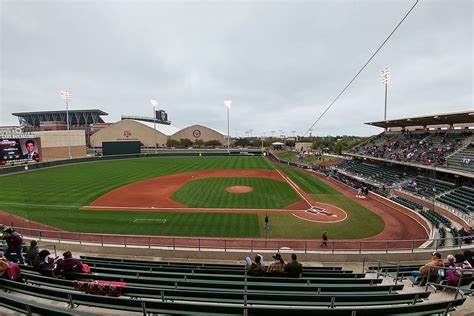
(19, 150)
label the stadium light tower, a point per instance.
(154, 103)
(66, 95)
(385, 79)
(227, 104)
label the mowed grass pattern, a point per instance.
(212, 193)
(53, 196)
(361, 222)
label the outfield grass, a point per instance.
(53, 196)
(212, 193)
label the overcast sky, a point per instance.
(280, 62)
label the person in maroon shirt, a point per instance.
(15, 245)
(68, 264)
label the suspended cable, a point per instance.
(363, 67)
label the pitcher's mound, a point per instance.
(239, 189)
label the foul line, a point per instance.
(161, 220)
(294, 186)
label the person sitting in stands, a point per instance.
(32, 252)
(14, 245)
(294, 267)
(68, 264)
(3, 265)
(454, 276)
(278, 265)
(428, 268)
(450, 261)
(43, 262)
(257, 267)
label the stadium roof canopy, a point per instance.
(466, 117)
(76, 117)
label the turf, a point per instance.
(53, 196)
(212, 193)
(361, 222)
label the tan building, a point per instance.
(134, 130)
(195, 132)
(129, 129)
(54, 144)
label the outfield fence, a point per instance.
(242, 244)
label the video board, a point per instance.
(19, 150)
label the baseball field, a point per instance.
(185, 196)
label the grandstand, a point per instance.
(430, 157)
(152, 287)
(443, 141)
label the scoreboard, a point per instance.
(19, 150)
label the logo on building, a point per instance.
(127, 134)
(196, 133)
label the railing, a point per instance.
(238, 244)
(465, 274)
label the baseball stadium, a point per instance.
(200, 205)
(173, 215)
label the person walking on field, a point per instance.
(324, 243)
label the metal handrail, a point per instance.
(226, 244)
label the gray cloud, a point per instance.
(281, 63)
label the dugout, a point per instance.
(121, 147)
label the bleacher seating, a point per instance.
(428, 148)
(461, 198)
(410, 204)
(181, 288)
(378, 173)
(381, 192)
(427, 187)
(459, 160)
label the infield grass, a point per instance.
(212, 193)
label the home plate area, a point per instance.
(316, 210)
(328, 214)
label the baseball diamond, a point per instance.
(93, 197)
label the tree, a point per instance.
(242, 142)
(185, 142)
(198, 143)
(172, 143)
(213, 143)
(290, 143)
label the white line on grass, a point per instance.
(160, 220)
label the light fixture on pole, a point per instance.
(385, 78)
(66, 95)
(227, 104)
(154, 103)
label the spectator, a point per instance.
(278, 265)
(43, 262)
(14, 245)
(3, 266)
(257, 267)
(68, 264)
(450, 261)
(294, 267)
(454, 275)
(32, 252)
(436, 261)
